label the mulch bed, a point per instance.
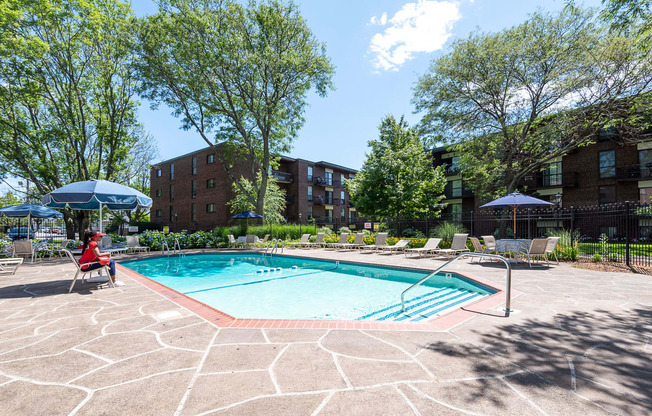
(603, 266)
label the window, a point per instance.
(159, 192)
(607, 194)
(210, 158)
(342, 178)
(210, 183)
(351, 216)
(551, 175)
(645, 163)
(159, 213)
(309, 173)
(310, 193)
(309, 211)
(171, 193)
(328, 178)
(343, 214)
(193, 212)
(171, 171)
(328, 197)
(210, 207)
(456, 188)
(171, 213)
(329, 215)
(193, 191)
(455, 211)
(607, 160)
(194, 165)
(342, 197)
(159, 173)
(608, 133)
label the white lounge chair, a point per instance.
(357, 242)
(319, 241)
(302, 242)
(106, 244)
(552, 244)
(343, 240)
(250, 241)
(10, 265)
(429, 248)
(62, 246)
(489, 244)
(23, 248)
(537, 249)
(458, 245)
(133, 244)
(83, 273)
(381, 241)
(399, 246)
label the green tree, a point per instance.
(274, 200)
(67, 93)
(630, 17)
(512, 101)
(236, 75)
(397, 178)
(8, 199)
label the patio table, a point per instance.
(513, 245)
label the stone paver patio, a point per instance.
(577, 343)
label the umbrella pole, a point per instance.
(29, 225)
(514, 221)
(100, 217)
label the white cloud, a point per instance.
(423, 26)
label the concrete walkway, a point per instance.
(578, 343)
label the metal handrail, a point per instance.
(176, 246)
(165, 247)
(508, 292)
(275, 248)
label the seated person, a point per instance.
(91, 252)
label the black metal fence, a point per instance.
(38, 228)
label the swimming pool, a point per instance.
(251, 285)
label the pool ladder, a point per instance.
(165, 248)
(508, 276)
(273, 246)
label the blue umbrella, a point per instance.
(30, 211)
(246, 215)
(96, 194)
(516, 200)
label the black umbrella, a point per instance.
(246, 215)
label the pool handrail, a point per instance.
(508, 291)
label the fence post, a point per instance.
(572, 218)
(472, 223)
(627, 219)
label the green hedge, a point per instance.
(200, 239)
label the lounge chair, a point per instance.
(10, 265)
(250, 241)
(537, 249)
(23, 248)
(381, 241)
(264, 240)
(429, 248)
(133, 244)
(343, 240)
(106, 244)
(477, 248)
(399, 246)
(489, 244)
(89, 272)
(62, 246)
(458, 245)
(357, 242)
(233, 242)
(552, 244)
(319, 241)
(304, 239)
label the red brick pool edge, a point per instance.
(223, 320)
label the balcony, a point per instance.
(323, 220)
(450, 192)
(567, 180)
(322, 181)
(451, 170)
(634, 172)
(282, 177)
(323, 200)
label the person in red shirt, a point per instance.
(91, 252)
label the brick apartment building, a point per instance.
(602, 173)
(190, 192)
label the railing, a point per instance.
(284, 177)
(322, 200)
(634, 172)
(451, 170)
(449, 192)
(565, 180)
(508, 292)
(272, 246)
(318, 180)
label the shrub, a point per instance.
(200, 239)
(567, 246)
(412, 233)
(596, 258)
(344, 230)
(446, 231)
(417, 243)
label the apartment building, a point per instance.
(607, 171)
(191, 192)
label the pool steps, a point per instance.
(425, 306)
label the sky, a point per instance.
(379, 49)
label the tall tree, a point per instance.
(274, 200)
(236, 75)
(630, 17)
(515, 100)
(397, 178)
(67, 89)
(8, 199)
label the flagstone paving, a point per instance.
(578, 342)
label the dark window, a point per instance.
(159, 213)
(607, 194)
(607, 160)
(193, 212)
(210, 158)
(551, 175)
(210, 208)
(608, 133)
(328, 178)
(329, 215)
(456, 188)
(159, 192)
(310, 193)
(210, 183)
(328, 198)
(194, 165)
(309, 211)
(645, 163)
(194, 189)
(342, 197)
(171, 171)
(171, 193)
(171, 213)
(343, 214)
(159, 173)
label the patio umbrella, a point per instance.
(95, 195)
(246, 215)
(516, 200)
(29, 211)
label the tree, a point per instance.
(513, 101)
(630, 16)
(397, 178)
(274, 200)
(8, 199)
(236, 75)
(67, 88)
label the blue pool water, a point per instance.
(249, 285)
